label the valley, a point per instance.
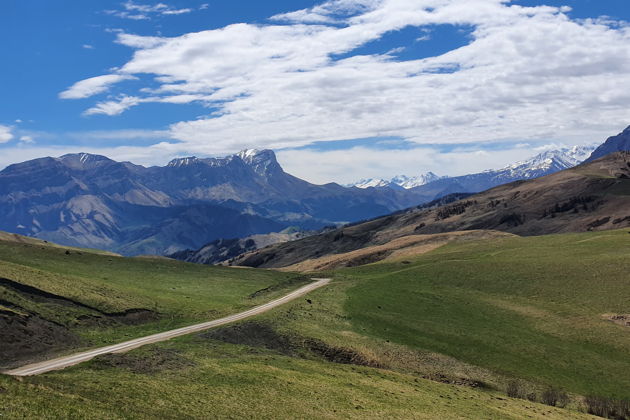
(509, 303)
(315, 209)
(455, 329)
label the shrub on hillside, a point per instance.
(554, 397)
(515, 389)
(608, 408)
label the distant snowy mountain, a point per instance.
(542, 164)
(397, 182)
(545, 163)
(370, 182)
(414, 181)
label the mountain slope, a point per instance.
(593, 196)
(618, 143)
(540, 165)
(446, 335)
(92, 201)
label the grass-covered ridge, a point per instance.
(534, 308)
(57, 293)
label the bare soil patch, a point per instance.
(23, 337)
(27, 335)
(396, 249)
(620, 319)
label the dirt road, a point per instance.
(66, 361)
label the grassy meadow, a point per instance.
(446, 334)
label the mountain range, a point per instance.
(92, 201)
(618, 143)
(592, 196)
(88, 200)
(542, 164)
(440, 191)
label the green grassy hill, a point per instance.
(447, 334)
(53, 299)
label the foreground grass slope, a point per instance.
(53, 298)
(440, 335)
(197, 377)
(537, 308)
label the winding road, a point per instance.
(66, 361)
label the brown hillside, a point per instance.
(592, 196)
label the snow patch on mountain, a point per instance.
(547, 162)
(397, 182)
(542, 164)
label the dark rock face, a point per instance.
(618, 143)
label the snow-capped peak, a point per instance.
(185, 161)
(370, 182)
(415, 181)
(555, 160)
(399, 181)
(248, 154)
(83, 160)
(263, 162)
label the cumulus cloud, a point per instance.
(525, 73)
(27, 139)
(93, 86)
(6, 134)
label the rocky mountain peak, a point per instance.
(184, 161)
(263, 162)
(83, 160)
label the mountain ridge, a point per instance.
(618, 143)
(93, 201)
(592, 196)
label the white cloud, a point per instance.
(526, 73)
(88, 46)
(115, 107)
(137, 11)
(176, 12)
(6, 134)
(93, 86)
(27, 139)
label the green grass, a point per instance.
(180, 293)
(487, 312)
(530, 308)
(229, 381)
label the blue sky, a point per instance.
(362, 87)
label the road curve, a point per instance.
(66, 361)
